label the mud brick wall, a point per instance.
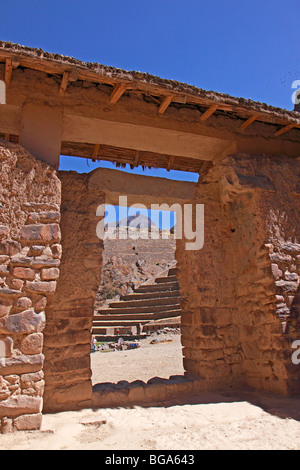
(29, 267)
(241, 291)
(69, 315)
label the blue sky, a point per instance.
(244, 48)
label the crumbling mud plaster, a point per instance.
(241, 291)
(29, 267)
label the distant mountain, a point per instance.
(139, 221)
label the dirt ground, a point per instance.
(216, 421)
(162, 359)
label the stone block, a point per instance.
(287, 286)
(43, 287)
(45, 262)
(10, 248)
(24, 273)
(43, 217)
(6, 425)
(32, 344)
(15, 406)
(56, 251)
(49, 274)
(24, 303)
(16, 284)
(40, 304)
(24, 322)
(28, 422)
(22, 364)
(41, 233)
(8, 345)
(277, 273)
(4, 270)
(4, 309)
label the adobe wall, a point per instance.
(69, 315)
(241, 291)
(29, 267)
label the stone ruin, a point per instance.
(240, 292)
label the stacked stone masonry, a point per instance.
(30, 253)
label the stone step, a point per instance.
(165, 279)
(139, 310)
(98, 319)
(118, 323)
(172, 272)
(150, 295)
(162, 287)
(112, 323)
(145, 302)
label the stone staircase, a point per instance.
(154, 304)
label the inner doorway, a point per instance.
(136, 324)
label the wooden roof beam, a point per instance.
(208, 112)
(117, 92)
(285, 129)
(64, 83)
(8, 71)
(95, 153)
(165, 104)
(137, 158)
(170, 162)
(249, 121)
(68, 76)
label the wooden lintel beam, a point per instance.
(165, 103)
(249, 121)
(284, 129)
(64, 83)
(117, 92)
(8, 71)
(96, 151)
(170, 162)
(208, 112)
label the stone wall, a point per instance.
(69, 315)
(240, 292)
(233, 331)
(29, 267)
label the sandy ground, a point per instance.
(144, 363)
(244, 420)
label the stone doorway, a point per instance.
(138, 302)
(70, 316)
